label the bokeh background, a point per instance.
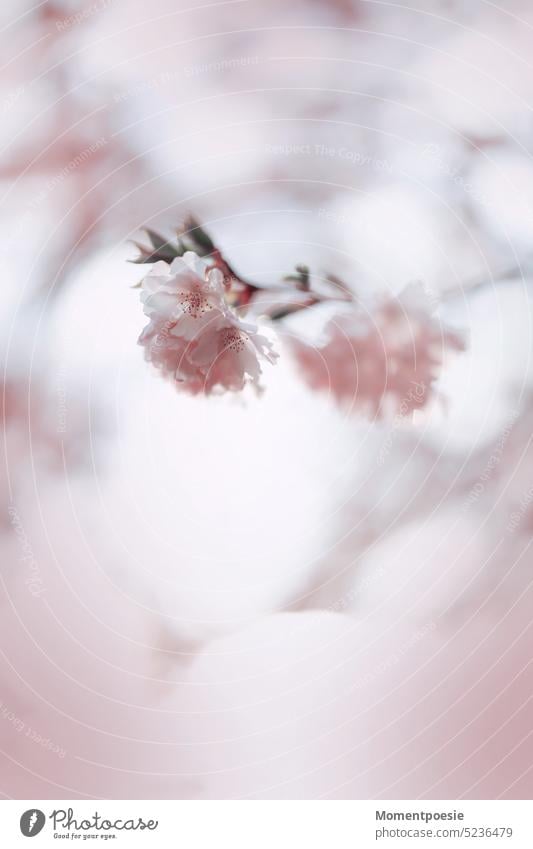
(270, 597)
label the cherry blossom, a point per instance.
(194, 336)
(380, 361)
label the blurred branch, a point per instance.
(508, 275)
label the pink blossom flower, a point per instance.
(380, 362)
(230, 355)
(194, 337)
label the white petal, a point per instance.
(195, 264)
(215, 278)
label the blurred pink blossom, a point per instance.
(384, 361)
